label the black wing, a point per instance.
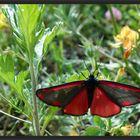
(121, 94)
(71, 97)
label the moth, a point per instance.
(103, 98)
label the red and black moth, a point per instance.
(104, 98)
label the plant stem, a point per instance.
(14, 117)
(102, 51)
(117, 77)
(35, 108)
(113, 19)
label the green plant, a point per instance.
(32, 40)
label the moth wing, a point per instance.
(60, 95)
(71, 97)
(78, 105)
(102, 105)
(121, 94)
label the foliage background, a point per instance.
(46, 45)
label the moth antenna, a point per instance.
(97, 74)
(77, 72)
(84, 75)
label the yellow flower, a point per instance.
(121, 71)
(121, 131)
(127, 38)
(127, 129)
(127, 53)
(3, 21)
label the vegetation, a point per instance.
(47, 45)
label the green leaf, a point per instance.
(7, 73)
(92, 131)
(41, 46)
(29, 22)
(7, 69)
(97, 121)
(10, 81)
(26, 23)
(109, 123)
(51, 113)
(20, 80)
(73, 77)
(51, 34)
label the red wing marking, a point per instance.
(63, 86)
(79, 104)
(126, 103)
(102, 105)
(119, 85)
(41, 96)
(56, 103)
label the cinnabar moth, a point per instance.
(104, 98)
